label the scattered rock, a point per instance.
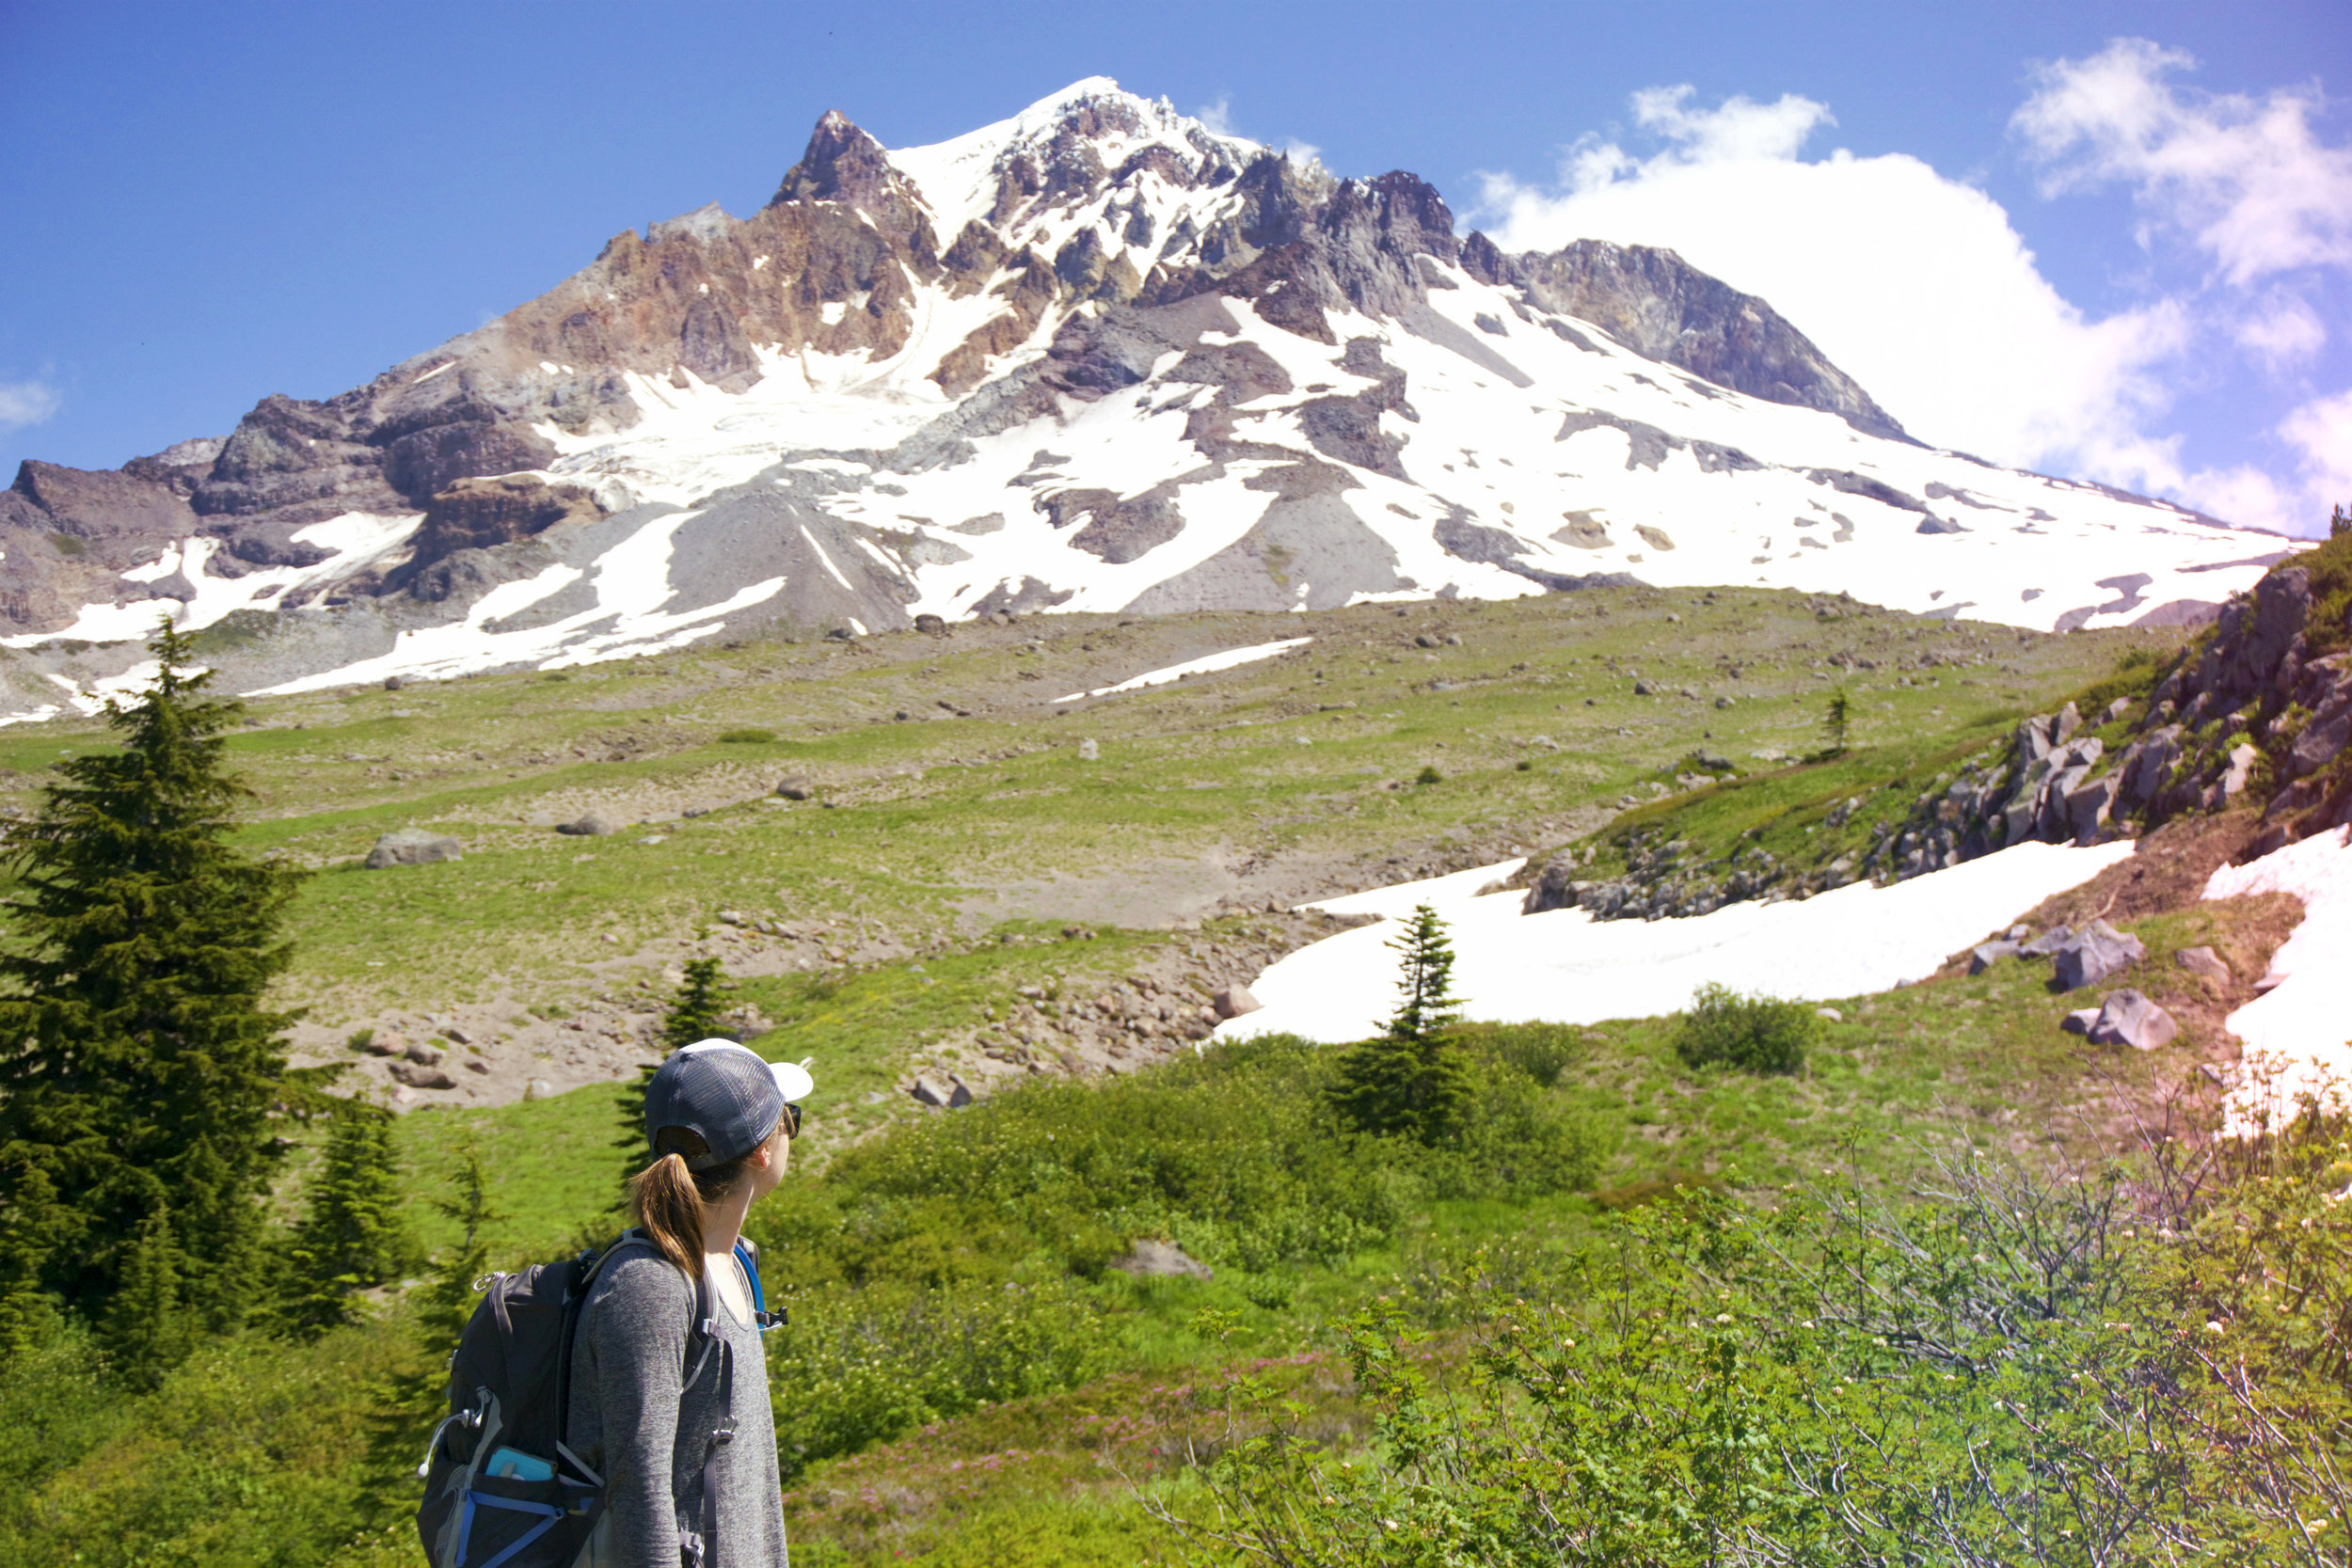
(391, 683)
(2094, 953)
(2047, 943)
(2204, 962)
(797, 788)
(1233, 1000)
(1152, 1258)
(475, 1064)
(594, 825)
(1090, 750)
(384, 1045)
(423, 1054)
(2080, 1020)
(1985, 955)
(413, 846)
(422, 1077)
(930, 626)
(539, 1088)
(954, 1096)
(2127, 1017)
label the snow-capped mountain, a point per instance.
(1095, 357)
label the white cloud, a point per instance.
(24, 402)
(2243, 178)
(2282, 330)
(1218, 119)
(1915, 285)
(1921, 288)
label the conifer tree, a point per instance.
(1411, 1080)
(406, 1407)
(355, 1233)
(145, 1327)
(1835, 718)
(692, 1015)
(138, 1058)
(28, 1222)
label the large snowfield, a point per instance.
(1564, 966)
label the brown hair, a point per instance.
(666, 1199)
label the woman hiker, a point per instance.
(669, 1396)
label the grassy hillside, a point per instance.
(966, 1379)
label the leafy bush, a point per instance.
(747, 736)
(1752, 1034)
(1429, 776)
(859, 1366)
(2024, 1370)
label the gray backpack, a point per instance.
(502, 1489)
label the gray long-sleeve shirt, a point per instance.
(630, 1423)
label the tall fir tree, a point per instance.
(138, 1056)
(1411, 1080)
(692, 1015)
(355, 1234)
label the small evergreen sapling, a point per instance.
(355, 1234)
(692, 1015)
(1411, 1080)
(1835, 720)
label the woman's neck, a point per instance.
(722, 1219)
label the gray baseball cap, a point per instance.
(725, 1094)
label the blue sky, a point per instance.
(2116, 260)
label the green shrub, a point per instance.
(1429, 776)
(750, 736)
(1752, 1034)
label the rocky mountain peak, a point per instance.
(1094, 355)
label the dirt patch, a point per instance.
(2168, 873)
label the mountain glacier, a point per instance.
(1093, 357)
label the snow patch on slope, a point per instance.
(2298, 1033)
(1564, 966)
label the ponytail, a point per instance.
(666, 1199)
(664, 1202)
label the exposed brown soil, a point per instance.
(2169, 873)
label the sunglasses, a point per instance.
(791, 1120)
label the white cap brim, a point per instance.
(792, 1078)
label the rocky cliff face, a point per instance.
(1093, 355)
(2258, 710)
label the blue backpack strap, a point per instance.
(748, 1256)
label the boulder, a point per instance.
(2127, 1017)
(1233, 1000)
(594, 825)
(2047, 943)
(2204, 962)
(2087, 806)
(930, 626)
(539, 1088)
(418, 1077)
(380, 1044)
(413, 846)
(2321, 740)
(2080, 1020)
(1152, 1259)
(1986, 954)
(953, 1096)
(2094, 953)
(475, 1064)
(796, 789)
(1554, 889)
(391, 683)
(423, 1054)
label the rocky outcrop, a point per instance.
(1654, 302)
